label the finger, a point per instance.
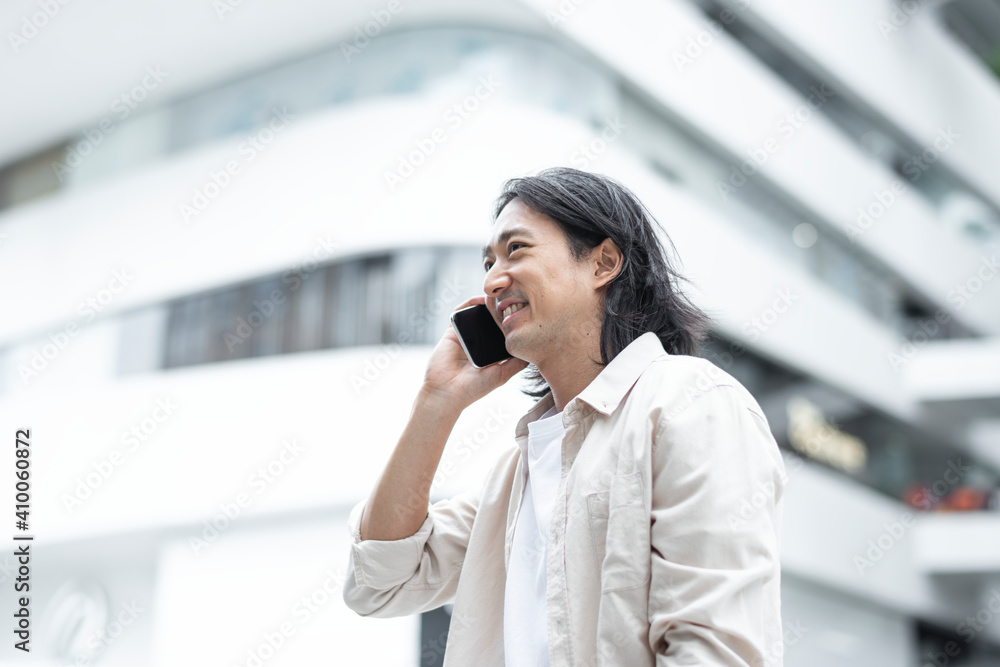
(472, 301)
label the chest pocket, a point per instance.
(619, 527)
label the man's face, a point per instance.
(528, 264)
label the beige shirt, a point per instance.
(664, 537)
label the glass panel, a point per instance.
(229, 338)
(141, 339)
(413, 276)
(377, 302)
(178, 333)
(266, 316)
(306, 293)
(344, 304)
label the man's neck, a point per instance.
(567, 380)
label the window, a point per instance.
(402, 297)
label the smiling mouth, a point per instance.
(513, 314)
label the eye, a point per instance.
(488, 264)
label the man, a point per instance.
(615, 532)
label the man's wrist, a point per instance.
(438, 402)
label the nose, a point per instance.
(497, 280)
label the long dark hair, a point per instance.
(644, 296)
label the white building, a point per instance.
(231, 233)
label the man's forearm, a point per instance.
(397, 506)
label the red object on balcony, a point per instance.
(965, 499)
(920, 497)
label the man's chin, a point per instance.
(512, 347)
(519, 351)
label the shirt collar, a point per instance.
(606, 391)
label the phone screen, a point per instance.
(481, 337)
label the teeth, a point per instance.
(510, 309)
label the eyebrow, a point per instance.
(505, 236)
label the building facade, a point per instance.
(229, 259)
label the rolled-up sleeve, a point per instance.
(388, 578)
(718, 478)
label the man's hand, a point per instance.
(451, 377)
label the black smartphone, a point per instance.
(480, 335)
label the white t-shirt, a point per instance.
(525, 626)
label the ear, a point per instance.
(607, 261)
